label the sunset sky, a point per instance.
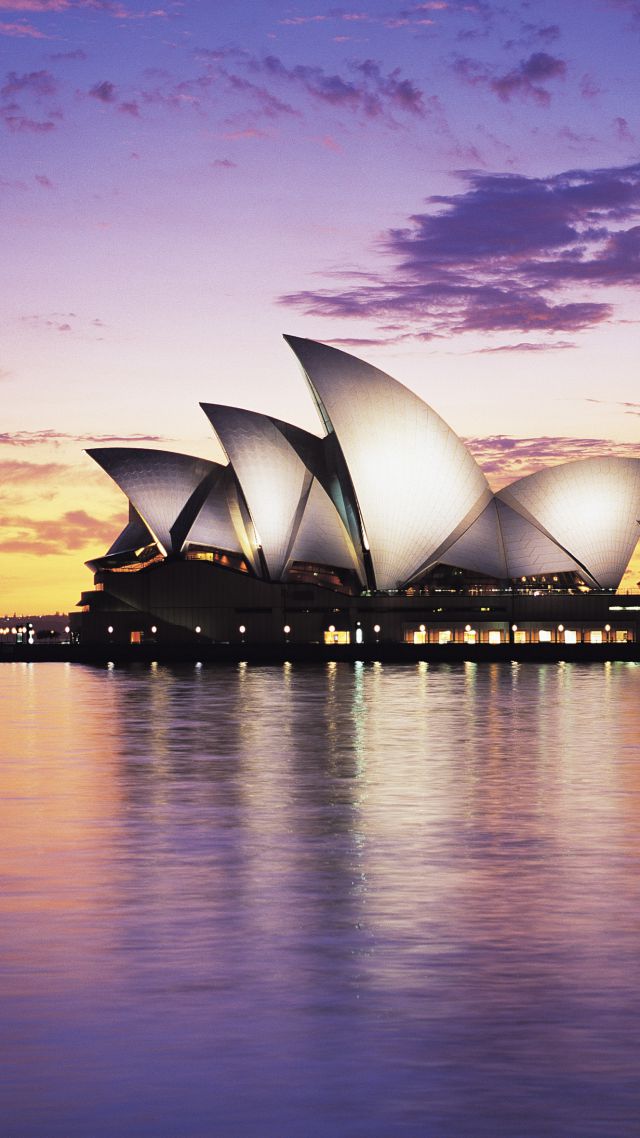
(450, 189)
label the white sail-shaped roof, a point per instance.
(322, 537)
(274, 479)
(528, 550)
(134, 536)
(480, 548)
(158, 483)
(503, 544)
(416, 485)
(589, 507)
(213, 524)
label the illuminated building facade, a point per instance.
(384, 516)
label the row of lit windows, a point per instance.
(530, 635)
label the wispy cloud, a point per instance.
(74, 529)
(56, 438)
(22, 29)
(364, 89)
(502, 255)
(628, 406)
(505, 458)
(528, 79)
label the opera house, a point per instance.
(381, 527)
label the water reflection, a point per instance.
(367, 901)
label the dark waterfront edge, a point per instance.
(319, 653)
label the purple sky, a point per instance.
(452, 188)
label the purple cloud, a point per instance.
(19, 123)
(505, 458)
(67, 56)
(492, 257)
(105, 91)
(526, 80)
(366, 90)
(39, 84)
(22, 29)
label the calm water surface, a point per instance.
(340, 902)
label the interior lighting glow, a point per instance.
(197, 628)
(110, 629)
(242, 630)
(287, 629)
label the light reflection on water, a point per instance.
(355, 901)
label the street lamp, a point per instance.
(110, 630)
(560, 630)
(607, 629)
(286, 630)
(376, 629)
(153, 629)
(198, 628)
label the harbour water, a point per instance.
(342, 901)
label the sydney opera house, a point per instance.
(380, 527)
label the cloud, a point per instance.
(224, 164)
(501, 255)
(19, 123)
(105, 91)
(74, 529)
(51, 436)
(527, 80)
(366, 90)
(529, 346)
(34, 5)
(36, 86)
(81, 326)
(39, 84)
(630, 408)
(505, 458)
(67, 56)
(22, 29)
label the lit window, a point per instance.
(595, 636)
(470, 635)
(136, 638)
(338, 636)
(444, 636)
(544, 636)
(494, 636)
(520, 636)
(570, 636)
(622, 636)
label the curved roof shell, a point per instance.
(158, 483)
(503, 544)
(417, 486)
(217, 521)
(589, 507)
(134, 536)
(283, 497)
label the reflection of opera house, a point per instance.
(382, 528)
